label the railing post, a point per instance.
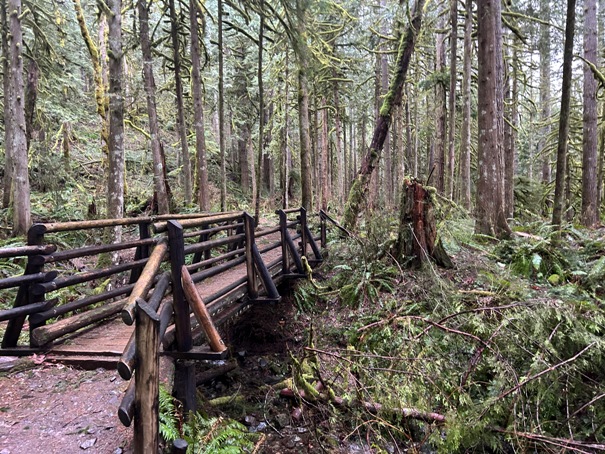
(184, 377)
(303, 231)
(176, 244)
(249, 231)
(323, 228)
(142, 251)
(283, 228)
(35, 237)
(146, 401)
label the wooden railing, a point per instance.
(153, 298)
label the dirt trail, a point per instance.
(57, 409)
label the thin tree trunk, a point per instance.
(359, 189)
(440, 112)
(8, 117)
(324, 151)
(221, 108)
(558, 206)
(261, 115)
(465, 141)
(452, 97)
(100, 85)
(159, 183)
(31, 96)
(180, 107)
(545, 56)
(18, 139)
(201, 164)
(115, 188)
(590, 211)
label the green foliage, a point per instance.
(205, 435)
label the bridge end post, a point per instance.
(249, 231)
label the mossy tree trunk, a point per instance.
(359, 190)
(417, 237)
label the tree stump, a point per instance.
(417, 237)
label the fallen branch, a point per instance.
(545, 371)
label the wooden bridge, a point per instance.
(67, 304)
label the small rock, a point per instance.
(242, 353)
(5, 451)
(292, 442)
(250, 421)
(88, 443)
(282, 420)
(91, 430)
(261, 426)
(262, 362)
(302, 430)
(118, 451)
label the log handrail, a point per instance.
(145, 281)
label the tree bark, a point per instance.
(301, 50)
(17, 144)
(545, 98)
(180, 107)
(159, 182)
(201, 164)
(452, 98)
(590, 209)
(417, 236)
(115, 186)
(557, 213)
(261, 115)
(440, 111)
(490, 216)
(221, 108)
(465, 142)
(359, 190)
(7, 182)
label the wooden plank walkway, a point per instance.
(101, 345)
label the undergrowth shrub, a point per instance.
(204, 435)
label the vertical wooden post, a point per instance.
(303, 231)
(184, 374)
(283, 228)
(181, 308)
(249, 230)
(142, 252)
(323, 227)
(197, 257)
(35, 237)
(146, 400)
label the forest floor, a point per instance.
(60, 409)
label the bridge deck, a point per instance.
(101, 345)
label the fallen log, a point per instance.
(209, 375)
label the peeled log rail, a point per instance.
(145, 281)
(201, 313)
(40, 289)
(45, 334)
(16, 281)
(189, 223)
(28, 309)
(97, 249)
(127, 361)
(27, 251)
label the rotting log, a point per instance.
(201, 312)
(147, 399)
(45, 334)
(145, 281)
(417, 237)
(215, 372)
